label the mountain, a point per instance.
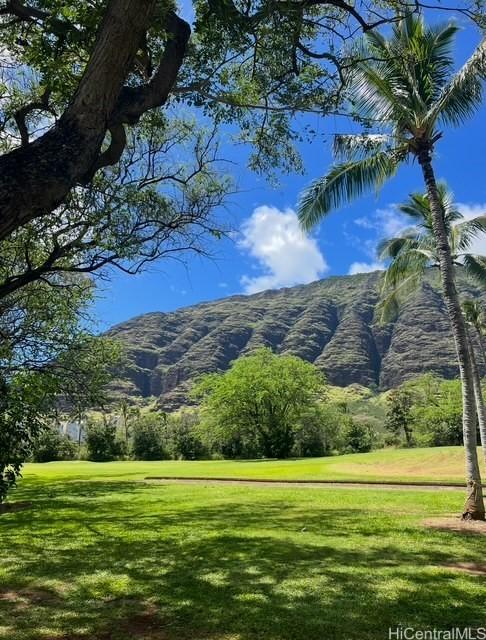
(331, 322)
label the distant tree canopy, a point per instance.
(262, 399)
(399, 420)
(427, 411)
(147, 437)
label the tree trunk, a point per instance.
(478, 394)
(35, 178)
(481, 345)
(408, 436)
(474, 507)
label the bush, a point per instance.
(439, 426)
(436, 412)
(101, 443)
(359, 437)
(147, 437)
(51, 445)
(183, 437)
(318, 433)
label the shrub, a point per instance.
(359, 437)
(147, 437)
(436, 412)
(101, 443)
(183, 437)
(51, 445)
(318, 432)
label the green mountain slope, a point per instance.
(330, 322)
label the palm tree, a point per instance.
(474, 314)
(405, 86)
(414, 251)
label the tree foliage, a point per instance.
(51, 445)
(148, 437)
(47, 358)
(101, 441)
(405, 110)
(260, 401)
(414, 251)
(182, 436)
(72, 105)
(429, 410)
(407, 89)
(398, 417)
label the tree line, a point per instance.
(265, 406)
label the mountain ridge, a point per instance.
(331, 322)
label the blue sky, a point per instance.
(267, 249)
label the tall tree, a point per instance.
(414, 251)
(161, 201)
(475, 317)
(262, 399)
(47, 357)
(406, 88)
(76, 76)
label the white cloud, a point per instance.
(469, 211)
(286, 255)
(386, 222)
(365, 267)
(382, 223)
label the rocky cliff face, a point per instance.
(331, 322)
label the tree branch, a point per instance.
(35, 178)
(20, 116)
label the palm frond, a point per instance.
(405, 265)
(475, 267)
(462, 96)
(390, 248)
(416, 207)
(391, 299)
(352, 147)
(465, 232)
(434, 60)
(344, 183)
(472, 311)
(377, 98)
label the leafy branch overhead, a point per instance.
(76, 76)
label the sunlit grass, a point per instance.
(440, 464)
(117, 559)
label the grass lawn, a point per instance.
(107, 558)
(440, 464)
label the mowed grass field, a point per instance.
(440, 465)
(101, 555)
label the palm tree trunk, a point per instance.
(478, 394)
(481, 345)
(474, 507)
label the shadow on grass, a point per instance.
(113, 561)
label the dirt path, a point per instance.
(309, 484)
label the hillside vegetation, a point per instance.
(332, 323)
